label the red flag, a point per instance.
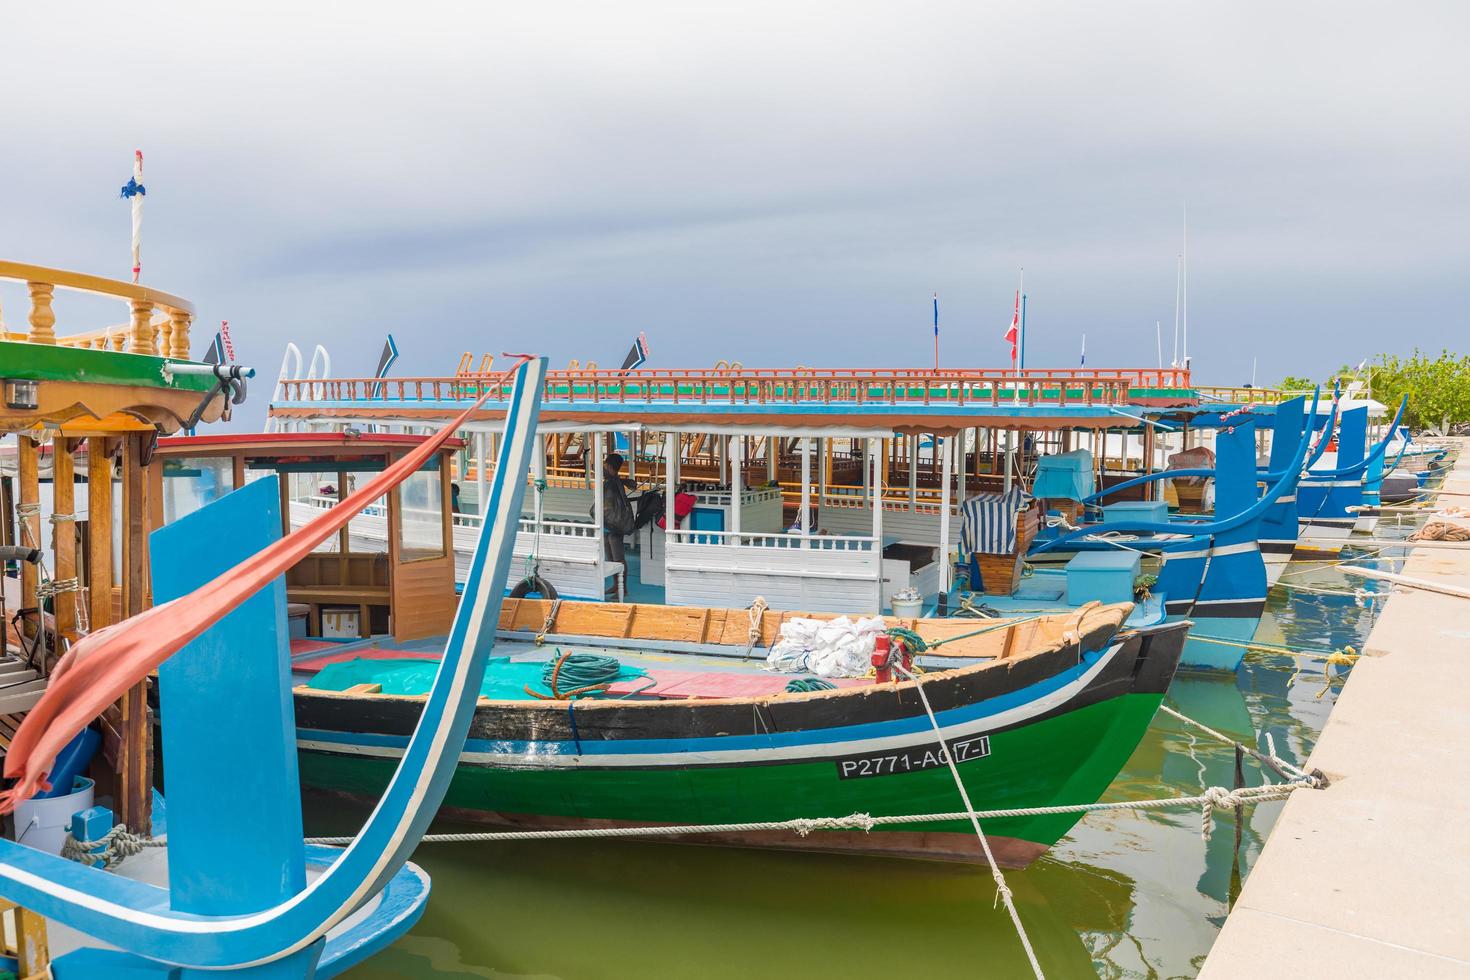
(1014, 330)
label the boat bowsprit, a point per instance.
(1036, 712)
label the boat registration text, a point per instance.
(912, 760)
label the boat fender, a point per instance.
(533, 583)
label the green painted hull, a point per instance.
(1063, 759)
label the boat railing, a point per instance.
(561, 529)
(767, 387)
(1246, 395)
(778, 540)
(923, 499)
(158, 322)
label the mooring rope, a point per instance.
(1221, 798)
(1002, 890)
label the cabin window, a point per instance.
(421, 523)
(191, 482)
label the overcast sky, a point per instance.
(776, 183)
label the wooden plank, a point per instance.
(33, 957)
(64, 533)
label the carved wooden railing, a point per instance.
(158, 322)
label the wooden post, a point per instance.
(30, 517)
(64, 534)
(43, 318)
(913, 451)
(179, 340)
(737, 487)
(135, 755)
(1150, 490)
(140, 333)
(99, 534)
(803, 516)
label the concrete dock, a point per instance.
(1371, 876)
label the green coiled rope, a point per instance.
(572, 674)
(808, 685)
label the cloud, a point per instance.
(775, 182)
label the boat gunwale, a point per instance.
(1074, 635)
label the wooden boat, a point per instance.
(1036, 712)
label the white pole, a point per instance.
(946, 443)
(671, 479)
(597, 512)
(771, 458)
(1007, 485)
(1159, 336)
(868, 481)
(539, 471)
(737, 465)
(872, 448)
(481, 477)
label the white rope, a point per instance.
(854, 821)
(110, 849)
(1002, 890)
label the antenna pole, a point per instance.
(1178, 278)
(1023, 320)
(1184, 267)
(1159, 337)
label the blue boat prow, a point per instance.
(238, 893)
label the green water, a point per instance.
(1127, 894)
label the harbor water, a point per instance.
(1127, 894)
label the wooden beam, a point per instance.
(64, 534)
(135, 757)
(99, 533)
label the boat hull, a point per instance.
(1026, 736)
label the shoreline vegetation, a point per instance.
(1438, 387)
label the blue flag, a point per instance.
(936, 314)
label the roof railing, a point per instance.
(765, 387)
(158, 322)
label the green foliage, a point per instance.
(1438, 388)
(1295, 382)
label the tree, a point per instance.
(1295, 382)
(1438, 388)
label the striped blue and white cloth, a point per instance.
(989, 522)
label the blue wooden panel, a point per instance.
(229, 749)
(1235, 468)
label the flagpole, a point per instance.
(1159, 338)
(1023, 320)
(936, 333)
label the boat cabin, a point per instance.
(390, 571)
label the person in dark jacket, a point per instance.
(617, 512)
